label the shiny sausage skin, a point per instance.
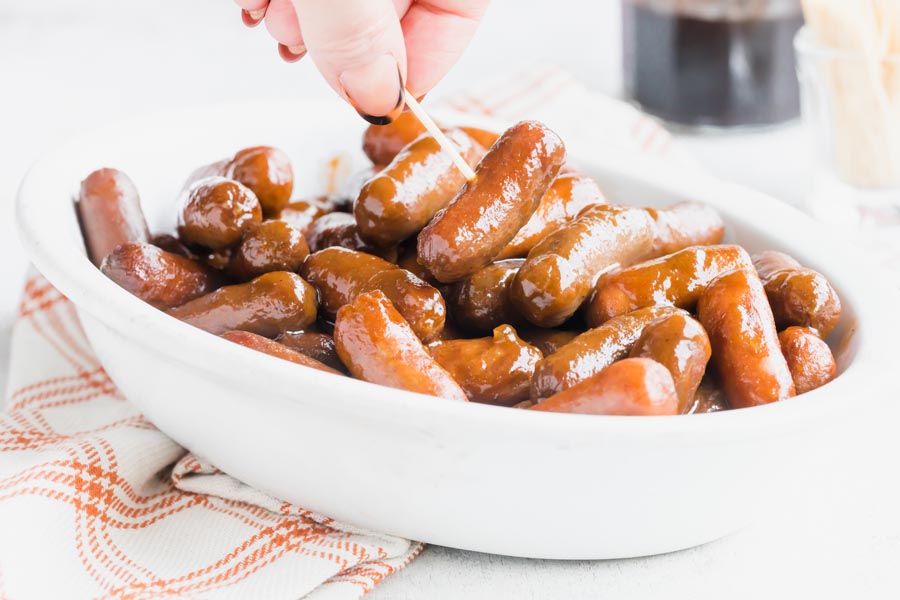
(567, 197)
(633, 386)
(808, 357)
(159, 278)
(319, 346)
(797, 295)
(685, 224)
(382, 143)
(547, 341)
(268, 246)
(493, 370)
(680, 344)
(340, 275)
(592, 351)
(481, 302)
(560, 271)
(109, 210)
(267, 172)
(488, 211)
(745, 346)
(269, 305)
(421, 180)
(267, 346)
(340, 229)
(300, 214)
(378, 346)
(216, 212)
(677, 279)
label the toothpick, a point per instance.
(435, 131)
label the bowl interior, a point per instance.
(160, 151)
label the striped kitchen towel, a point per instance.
(95, 502)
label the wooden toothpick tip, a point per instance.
(435, 131)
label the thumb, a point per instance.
(358, 47)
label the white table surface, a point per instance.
(67, 66)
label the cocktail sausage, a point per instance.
(633, 386)
(378, 346)
(797, 295)
(109, 210)
(745, 349)
(677, 279)
(488, 211)
(269, 305)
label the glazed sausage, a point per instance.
(269, 305)
(633, 386)
(709, 398)
(808, 358)
(481, 302)
(268, 246)
(340, 275)
(159, 278)
(567, 197)
(593, 351)
(300, 214)
(377, 345)
(488, 211)
(492, 370)
(109, 210)
(400, 200)
(340, 229)
(547, 341)
(798, 296)
(216, 212)
(267, 172)
(741, 330)
(319, 346)
(680, 344)
(382, 143)
(677, 279)
(685, 224)
(561, 270)
(272, 348)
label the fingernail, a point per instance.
(375, 90)
(252, 18)
(291, 53)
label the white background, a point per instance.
(67, 66)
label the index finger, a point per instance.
(436, 33)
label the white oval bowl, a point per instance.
(463, 475)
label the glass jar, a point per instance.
(718, 63)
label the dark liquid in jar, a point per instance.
(723, 73)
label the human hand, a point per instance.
(368, 49)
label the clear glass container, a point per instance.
(851, 108)
(718, 63)
(851, 113)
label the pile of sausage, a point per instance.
(520, 288)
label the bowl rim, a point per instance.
(76, 277)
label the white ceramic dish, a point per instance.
(462, 475)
